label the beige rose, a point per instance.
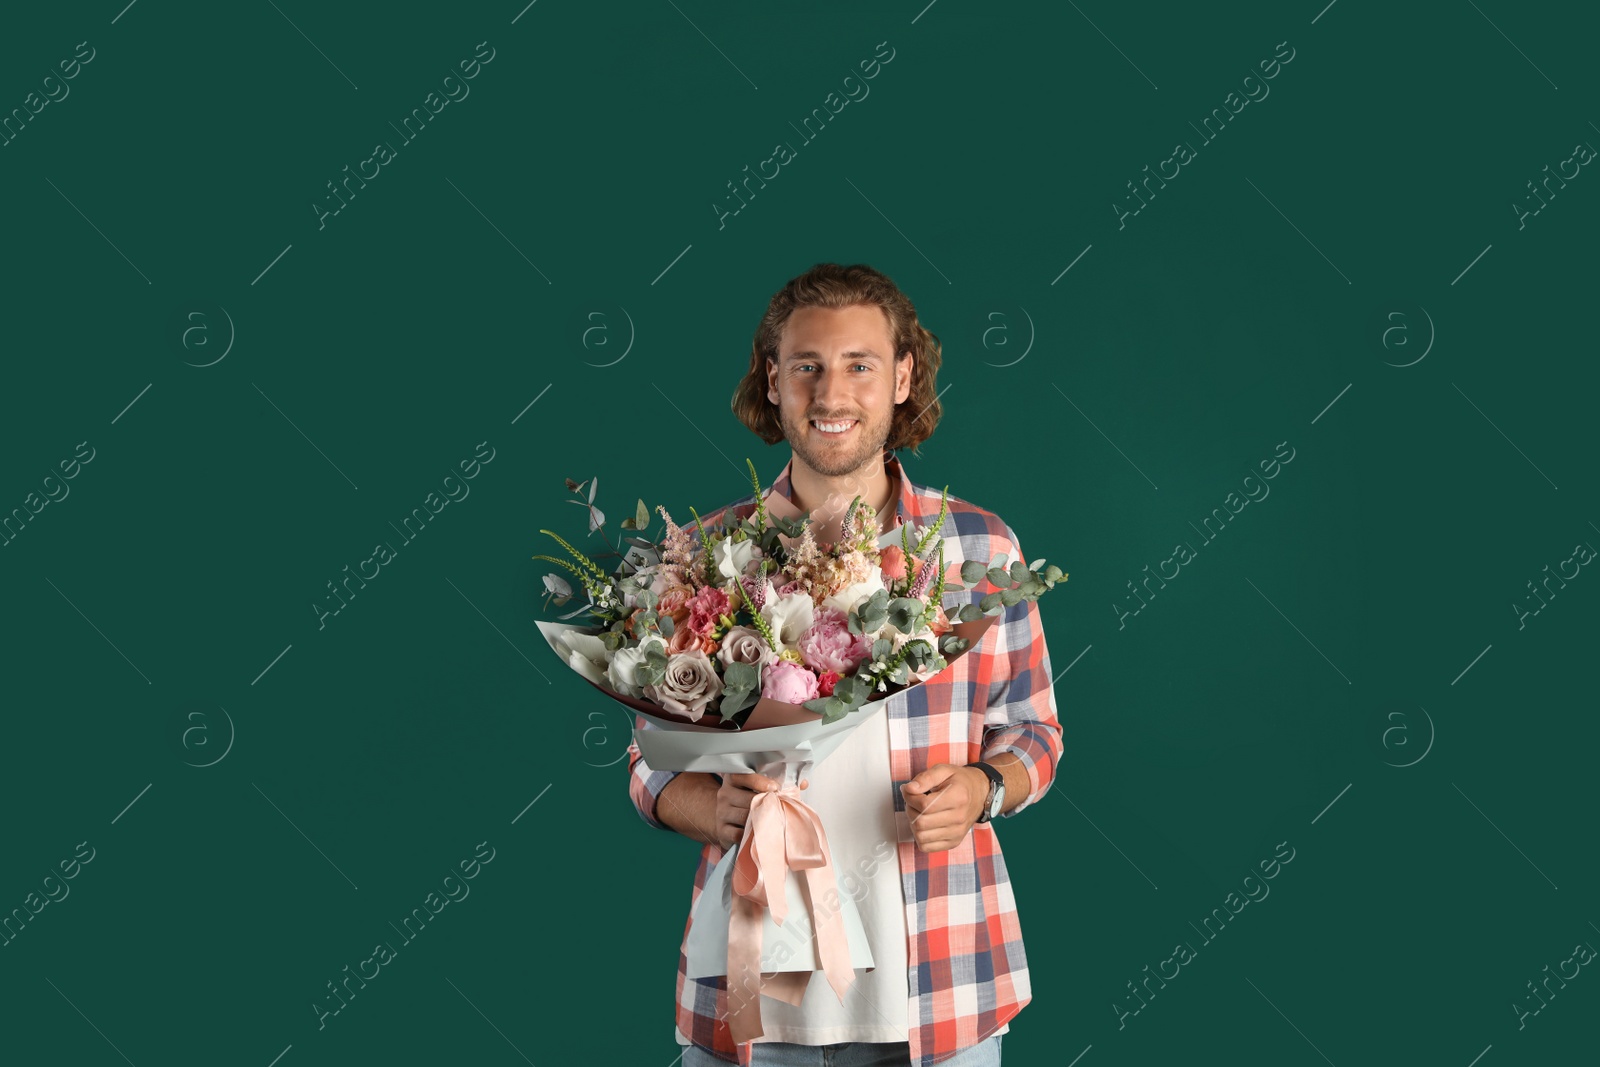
(691, 682)
(744, 644)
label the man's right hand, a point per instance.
(733, 804)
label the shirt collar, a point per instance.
(910, 505)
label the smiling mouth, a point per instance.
(835, 428)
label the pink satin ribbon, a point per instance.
(781, 834)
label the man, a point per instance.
(842, 369)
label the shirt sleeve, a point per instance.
(1021, 716)
(645, 785)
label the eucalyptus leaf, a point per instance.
(641, 517)
(666, 625)
(1000, 576)
(972, 572)
(741, 676)
(1020, 572)
(989, 602)
(1009, 597)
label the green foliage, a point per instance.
(741, 683)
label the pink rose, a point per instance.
(826, 683)
(892, 561)
(789, 682)
(830, 646)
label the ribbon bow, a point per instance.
(781, 834)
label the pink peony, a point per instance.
(789, 682)
(830, 646)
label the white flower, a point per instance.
(851, 597)
(733, 556)
(625, 661)
(587, 655)
(789, 617)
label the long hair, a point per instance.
(829, 285)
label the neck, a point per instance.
(808, 489)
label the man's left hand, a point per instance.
(944, 801)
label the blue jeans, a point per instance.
(846, 1054)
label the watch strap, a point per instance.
(996, 781)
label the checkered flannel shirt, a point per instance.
(967, 974)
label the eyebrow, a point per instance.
(852, 355)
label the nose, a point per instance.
(832, 390)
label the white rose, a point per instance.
(851, 597)
(733, 556)
(787, 616)
(625, 662)
(587, 655)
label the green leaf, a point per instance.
(952, 644)
(999, 576)
(1020, 572)
(989, 603)
(1009, 597)
(969, 613)
(904, 611)
(641, 517)
(741, 676)
(666, 625)
(734, 701)
(972, 571)
(1053, 573)
(881, 647)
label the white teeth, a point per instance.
(833, 427)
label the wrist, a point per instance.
(980, 788)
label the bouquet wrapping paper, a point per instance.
(781, 870)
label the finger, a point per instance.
(931, 806)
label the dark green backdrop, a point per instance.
(1340, 271)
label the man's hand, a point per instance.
(733, 804)
(944, 801)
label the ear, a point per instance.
(903, 370)
(772, 380)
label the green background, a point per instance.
(1354, 620)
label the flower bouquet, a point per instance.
(753, 646)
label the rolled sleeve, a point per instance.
(644, 784)
(1021, 715)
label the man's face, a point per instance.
(837, 366)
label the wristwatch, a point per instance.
(997, 792)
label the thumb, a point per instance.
(930, 779)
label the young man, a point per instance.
(841, 368)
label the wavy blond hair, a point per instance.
(830, 285)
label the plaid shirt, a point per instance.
(966, 971)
